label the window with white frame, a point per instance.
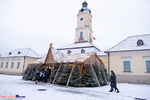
(126, 64)
(2, 63)
(18, 63)
(6, 63)
(147, 64)
(12, 63)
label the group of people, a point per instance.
(43, 76)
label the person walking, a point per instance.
(113, 83)
(37, 77)
(46, 76)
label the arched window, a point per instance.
(81, 35)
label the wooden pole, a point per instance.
(95, 76)
(69, 77)
(55, 75)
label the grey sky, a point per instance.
(36, 23)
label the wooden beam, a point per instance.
(55, 75)
(69, 77)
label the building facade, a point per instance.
(83, 34)
(16, 61)
(130, 59)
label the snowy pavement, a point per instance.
(12, 85)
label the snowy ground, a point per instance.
(12, 85)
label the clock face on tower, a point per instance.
(81, 19)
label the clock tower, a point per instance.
(84, 31)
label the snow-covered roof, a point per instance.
(131, 44)
(101, 53)
(21, 53)
(38, 61)
(76, 45)
(80, 57)
(56, 54)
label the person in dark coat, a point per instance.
(46, 76)
(37, 77)
(113, 82)
(49, 71)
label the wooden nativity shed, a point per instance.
(54, 55)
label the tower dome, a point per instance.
(84, 7)
(84, 4)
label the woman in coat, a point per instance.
(113, 82)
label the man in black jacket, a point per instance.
(46, 76)
(113, 82)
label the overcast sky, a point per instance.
(36, 23)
